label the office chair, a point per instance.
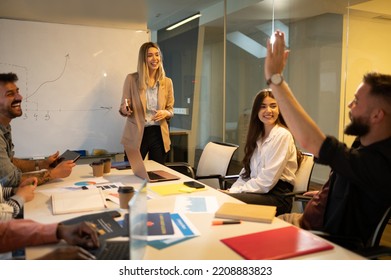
(213, 164)
(302, 182)
(372, 249)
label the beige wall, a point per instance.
(367, 48)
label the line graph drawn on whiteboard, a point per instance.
(31, 107)
(67, 57)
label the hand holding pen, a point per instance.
(126, 107)
(26, 188)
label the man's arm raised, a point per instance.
(306, 132)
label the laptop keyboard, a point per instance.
(115, 250)
(154, 176)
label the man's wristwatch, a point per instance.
(275, 79)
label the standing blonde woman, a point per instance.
(148, 102)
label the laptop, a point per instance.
(133, 246)
(138, 167)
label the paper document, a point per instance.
(182, 228)
(196, 204)
(75, 186)
(78, 201)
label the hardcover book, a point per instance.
(160, 224)
(105, 223)
(246, 212)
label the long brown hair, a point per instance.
(142, 67)
(256, 129)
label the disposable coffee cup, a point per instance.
(125, 194)
(97, 168)
(106, 165)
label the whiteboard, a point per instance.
(71, 80)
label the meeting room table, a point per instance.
(206, 246)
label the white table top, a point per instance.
(207, 246)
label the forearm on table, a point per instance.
(43, 176)
(14, 235)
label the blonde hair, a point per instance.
(142, 67)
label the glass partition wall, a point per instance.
(314, 35)
(218, 68)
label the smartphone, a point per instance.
(67, 155)
(194, 184)
(115, 214)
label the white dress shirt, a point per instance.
(272, 160)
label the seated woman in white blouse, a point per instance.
(271, 158)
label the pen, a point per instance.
(218, 223)
(127, 104)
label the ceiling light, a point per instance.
(183, 22)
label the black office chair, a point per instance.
(371, 250)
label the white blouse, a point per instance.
(272, 160)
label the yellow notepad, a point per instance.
(173, 189)
(78, 201)
(246, 212)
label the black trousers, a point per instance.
(275, 197)
(152, 144)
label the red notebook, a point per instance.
(281, 243)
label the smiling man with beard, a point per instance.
(11, 168)
(358, 192)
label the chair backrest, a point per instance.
(303, 174)
(376, 236)
(215, 159)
